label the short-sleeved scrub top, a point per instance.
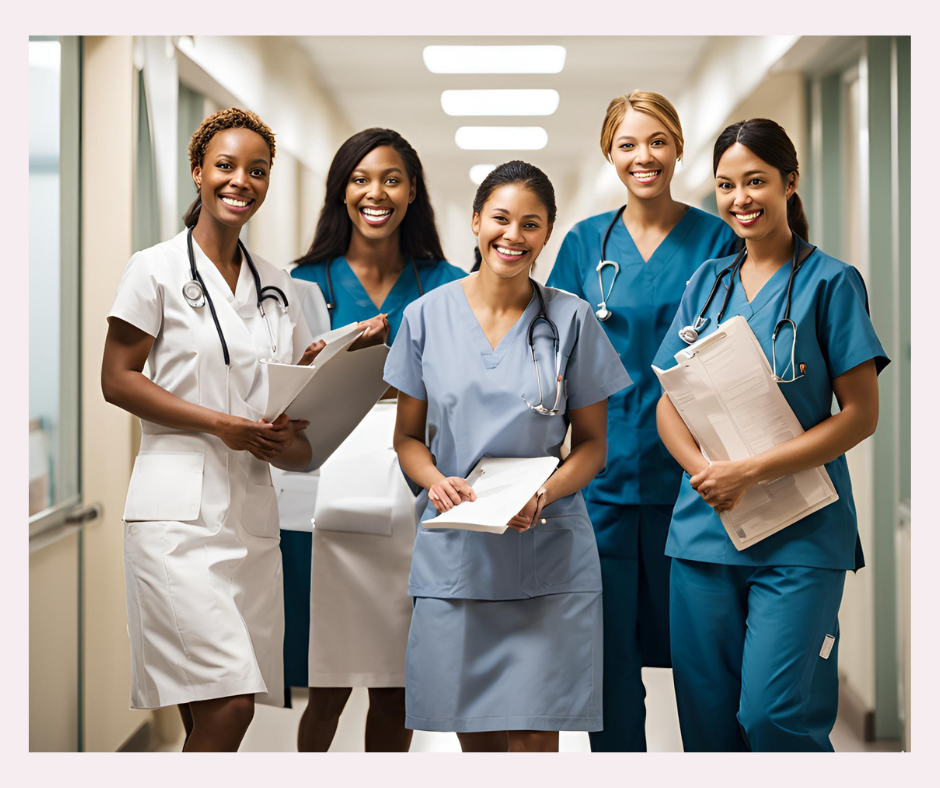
(643, 302)
(834, 335)
(202, 565)
(346, 601)
(475, 408)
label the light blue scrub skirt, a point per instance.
(521, 664)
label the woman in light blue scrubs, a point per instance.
(755, 633)
(654, 245)
(505, 641)
(376, 249)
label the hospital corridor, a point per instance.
(208, 573)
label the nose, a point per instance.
(376, 191)
(644, 154)
(741, 197)
(239, 179)
(512, 232)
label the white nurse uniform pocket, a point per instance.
(165, 486)
(296, 498)
(357, 493)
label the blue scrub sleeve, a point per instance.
(566, 273)
(403, 367)
(594, 369)
(846, 334)
(689, 308)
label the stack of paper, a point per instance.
(503, 486)
(723, 388)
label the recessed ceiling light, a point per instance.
(478, 172)
(499, 102)
(494, 59)
(501, 137)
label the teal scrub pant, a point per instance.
(748, 656)
(296, 554)
(631, 542)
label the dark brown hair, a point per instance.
(768, 140)
(521, 172)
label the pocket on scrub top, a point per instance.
(553, 547)
(165, 486)
(260, 513)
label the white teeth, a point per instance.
(376, 211)
(511, 252)
(644, 176)
(235, 203)
(746, 217)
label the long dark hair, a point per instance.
(521, 172)
(418, 236)
(770, 142)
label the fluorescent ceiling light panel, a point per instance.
(494, 59)
(499, 102)
(501, 137)
(478, 172)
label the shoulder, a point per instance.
(310, 272)
(706, 223)
(825, 266)
(418, 309)
(162, 260)
(563, 304)
(593, 226)
(270, 274)
(437, 272)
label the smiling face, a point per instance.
(512, 227)
(378, 193)
(644, 153)
(234, 176)
(752, 195)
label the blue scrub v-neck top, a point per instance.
(352, 301)
(834, 334)
(474, 396)
(643, 302)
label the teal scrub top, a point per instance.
(834, 334)
(475, 408)
(643, 301)
(352, 301)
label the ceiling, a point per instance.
(382, 81)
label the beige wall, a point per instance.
(107, 168)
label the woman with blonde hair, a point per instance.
(632, 264)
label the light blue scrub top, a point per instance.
(352, 301)
(475, 408)
(834, 334)
(643, 302)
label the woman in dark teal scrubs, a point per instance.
(376, 249)
(658, 243)
(755, 633)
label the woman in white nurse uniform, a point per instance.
(202, 564)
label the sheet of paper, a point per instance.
(503, 486)
(723, 389)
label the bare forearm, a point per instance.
(417, 461)
(677, 438)
(134, 393)
(295, 458)
(585, 461)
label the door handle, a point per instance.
(85, 515)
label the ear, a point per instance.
(793, 179)
(475, 224)
(197, 176)
(413, 192)
(549, 234)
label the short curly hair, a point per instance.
(233, 118)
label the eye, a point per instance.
(658, 143)
(392, 181)
(626, 146)
(532, 226)
(755, 182)
(257, 172)
(224, 165)
(500, 218)
(359, 179)
(724, 186)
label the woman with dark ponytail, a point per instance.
(755, 632)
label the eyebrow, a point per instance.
(384, 172)
(527, 216)
(746, 175)
(230, 156)
(652, 136)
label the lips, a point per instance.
(747, 219)
(645, 176)
(376, 216)
(236, 203)
(509, 254)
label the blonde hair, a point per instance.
(652, 104)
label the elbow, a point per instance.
(870, 424)
(109, 390)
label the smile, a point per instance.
(747, 218)
(646, 176)
(506, 253)
(232, 202)
(376, 216)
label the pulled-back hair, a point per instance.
(417, 233)
(768, 141)
(652, 104)
(222, 120)
(523, 173)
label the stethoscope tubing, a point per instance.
(602, 312)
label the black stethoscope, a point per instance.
(602, 312)
(690, 334)
(543, 317)
(197, 295)
(331, 301)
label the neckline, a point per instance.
(666, 247)
(509, 338)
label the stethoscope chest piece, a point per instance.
(194, 294)
(603, 313)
